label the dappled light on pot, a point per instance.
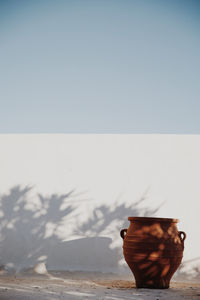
(153, 249)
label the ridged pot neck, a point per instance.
(154, 219)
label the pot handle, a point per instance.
(180, 233)
(122, 233)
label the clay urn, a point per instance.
(153, 249)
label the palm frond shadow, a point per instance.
(29, 229)
(103, 217)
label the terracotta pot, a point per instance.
(153, 249)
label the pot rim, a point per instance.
(149, 219)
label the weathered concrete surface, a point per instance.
(80, 285)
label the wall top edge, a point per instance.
(98, 134)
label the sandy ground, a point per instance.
(82, 285)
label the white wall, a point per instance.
(111, 177)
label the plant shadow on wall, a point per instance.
(28, 229)
(37, 228)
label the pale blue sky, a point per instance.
(99, 66)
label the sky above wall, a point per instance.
(99, 66)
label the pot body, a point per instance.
(153, 249)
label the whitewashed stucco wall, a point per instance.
(110, 177)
